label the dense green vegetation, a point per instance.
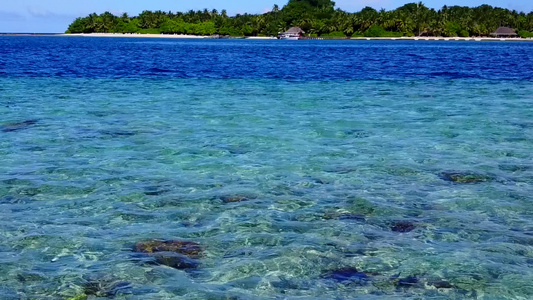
(525, 34)
(317, 18)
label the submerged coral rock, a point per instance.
(105, 287)
(155, 191)
(463, 177)
(403, 226)
(10, 127)
(440, 284)
(347, 274)
(116, 133)
(187, 248)
(406, 282)
(319, 180)
(30, 276)
(236, 198)
(340, 169)
(174, 254)
(175, 260)
(362, 206)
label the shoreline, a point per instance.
(160, 36)
(184, 36)
(441, 38)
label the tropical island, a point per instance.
(317, 18)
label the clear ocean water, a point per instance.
(368, 169)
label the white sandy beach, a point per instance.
(261, 38)
(167, 36)
(185, 36)
(136, 35)
(440, 38)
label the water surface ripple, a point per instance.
(252, 59)
(348, 185)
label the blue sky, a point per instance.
(55, 15)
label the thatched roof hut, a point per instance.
(504, 32)
(295, 30)
(294, 33)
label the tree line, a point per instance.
(316, 18)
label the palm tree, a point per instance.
(125, 18)
(93, 23)
(367, 18)
(107, 21)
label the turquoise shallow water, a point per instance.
(91, 166)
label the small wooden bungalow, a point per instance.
(504, 32)
(294, 33)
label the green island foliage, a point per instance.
(525, 34)
(378, 31)
(316, 18)
(334, 34)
